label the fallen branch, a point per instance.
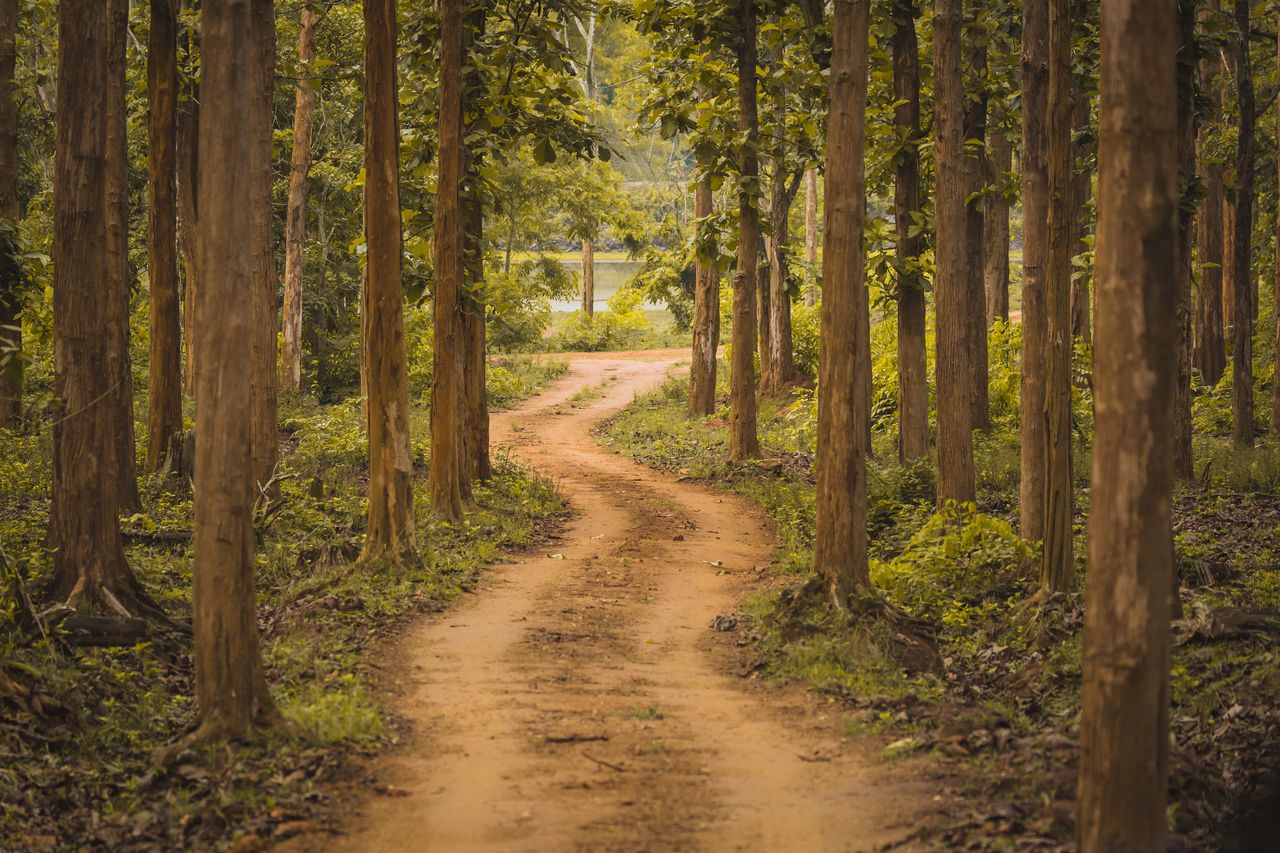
(1222, 623)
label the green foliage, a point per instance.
(619, 328)
(959, 562)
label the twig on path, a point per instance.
(575, 738)
(604, 763)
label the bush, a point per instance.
(621, 327)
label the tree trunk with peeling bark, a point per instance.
(231, 689)
(11, 370)
(952, 280)
(840, 543)
(1124, 727)
(447, 387)
(913, 371)
(743, 441)
(1035, 218)
(391, 534)
(265, 435)
(995, 225)
(164, 397)
(295, 226)
(116, 320)
(706, 307)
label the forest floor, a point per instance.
(584, 699)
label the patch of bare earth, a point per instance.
(580, 701)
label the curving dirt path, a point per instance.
(580, 702)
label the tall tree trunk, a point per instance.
(1057, 571)
(764, 299)
(295, 226)
(952, 280)
(231, 691)
(975, 133)
(781, 356)
(1229, 253)
(913, 371)
(447, 388)
(840, 544)
(475, 415)
(706, 307)
(1241, 244)
(116, 319)
(1187, 50)
(1124, 727)
(743, 440)
(89, 568)
(811, 236)
(1210, 353)
(1035, 256)
(265, 436)
(164, 398)
(589, 277)
(11, 371)
(995, 230)
(188, 202)
(391, 534)
(1081, 181)
(1275, 386)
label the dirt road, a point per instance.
(579, 701)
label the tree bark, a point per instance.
(1187, 49)
(116, 320)
(706, 307)
(840, 544)
(1275, 386)
(266, 435)
(913, 371)
(1210, 354)
(391, 534)
(1057, 570)
(1241, 244)
(1124, 728)
(11, 369)
(475, 415)
(188, 203)
(995, 254)
(743, 441)
(446, 389)
(164, 399)
(1035, 253)
(589, 277)
(952, 281)
(811, 236)
(231, 691)
(1081, 297)
(781, 356)
(89, 568)
(975, 132)
(295, 227)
